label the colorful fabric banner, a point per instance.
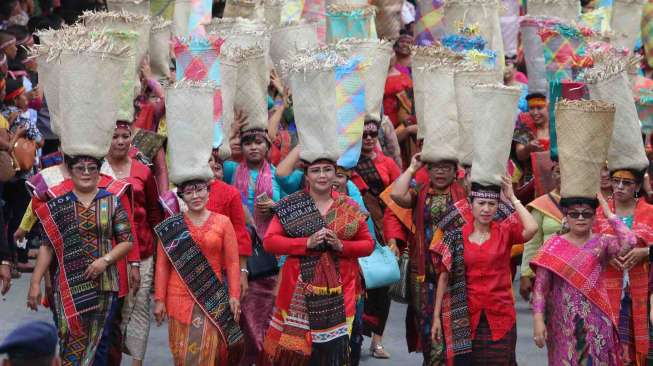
(564, 49)
(291, 11)
(198, 59)
(643, 93)
(350, 104)
(200, 15)
(350, 23)
(428, 25)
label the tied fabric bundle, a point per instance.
(534, 54)
(350, 21)
(388, 18)
(568, 10)
(198, 59)
(313, 82)
(138, 7)
(607, 81)
(189, 115)
(428, 24)
(564, 48)
(464, 81)
(584, 129)
(493, 136)
(250, 9)
(625, 22)
(85, 125)
(481, 14)
(160, 41)
(285, 41)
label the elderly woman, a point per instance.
(477, 319)
(571, 311)
(322, 233)
(626, 279)
(197, 247)
(91, 227)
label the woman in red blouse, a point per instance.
(146, 214)
(474, 266)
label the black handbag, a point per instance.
(261, 263)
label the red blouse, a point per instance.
(225, 200)
(146, 210)
(488, 276)
(394, 85)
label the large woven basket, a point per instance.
(494, 113)
(130, 80)
(250, 9)
(228, 81)
(251, 88)
(287, 40)
(483, 14)
(314, 104)
(87, 124)
(388, 18)
(160, 40)
(608, 82)
(584, 130)
(564, 9)
(626, 22)
(272, 11)
(48, 72)
(138, 7)
(464, 82)
(534, 55)
(189, 115)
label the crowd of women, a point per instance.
(265, 246)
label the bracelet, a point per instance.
(135, 264)
(5, 263)
(244, 270)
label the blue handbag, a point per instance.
(380, 268)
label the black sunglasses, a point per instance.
(370, 135)
(584, 214)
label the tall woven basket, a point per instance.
(285, 41)
(534, 55)
(464, 82)
(251, 87)
(494, 121)
(189, 115)
(388, 18)
(138, 7)
(160, 40)
(228, 80)
(608, 81)
(249, 9)
(584, 130)
(626, 22)
(564, 9)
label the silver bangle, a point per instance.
(244, 270)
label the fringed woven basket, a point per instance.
(228, 81)
(584, 129)
(285, 41)
(388, 18)
(534, 55)
(189, 115)
(564, 9)
(137, 7)
(464, 81)
(251, 85)
(626, 22)
(494, 112)
(608, 81)
(272, 11)
(250, 9)
(160, 42)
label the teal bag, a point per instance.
(380, 268)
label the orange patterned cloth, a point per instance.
(196, 343)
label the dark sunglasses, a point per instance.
(371, 135)
(583, 214)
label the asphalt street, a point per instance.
(13, 311)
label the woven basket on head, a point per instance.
(251, 85)
(483, 14)
(388, 18)
(626, 22)
(534, 55)
(189, 115)
(130, 79)
(464, 82)
(122, 21)
(285, 41)
(228, 81)
(494, 121)
(350, 21)
(250, 9)
(218, 25)
(160, 40)
(314, 103)
(138, 7)
(272, 11)
(48, 77)
(376, 56)
(608, 81)
(565, 9)
(181, 17)
(584, 129)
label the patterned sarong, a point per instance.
(203, 284)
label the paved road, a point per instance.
(13, 312)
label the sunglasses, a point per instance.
(582, 214)
(371, 135)
(85, 169)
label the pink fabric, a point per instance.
(263, 184)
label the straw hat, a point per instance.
(189, 115)
(608, 81)
(584, 129)
(494, 116)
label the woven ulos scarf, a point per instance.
(319, 288)
(263, 184)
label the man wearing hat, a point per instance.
(31, 344)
